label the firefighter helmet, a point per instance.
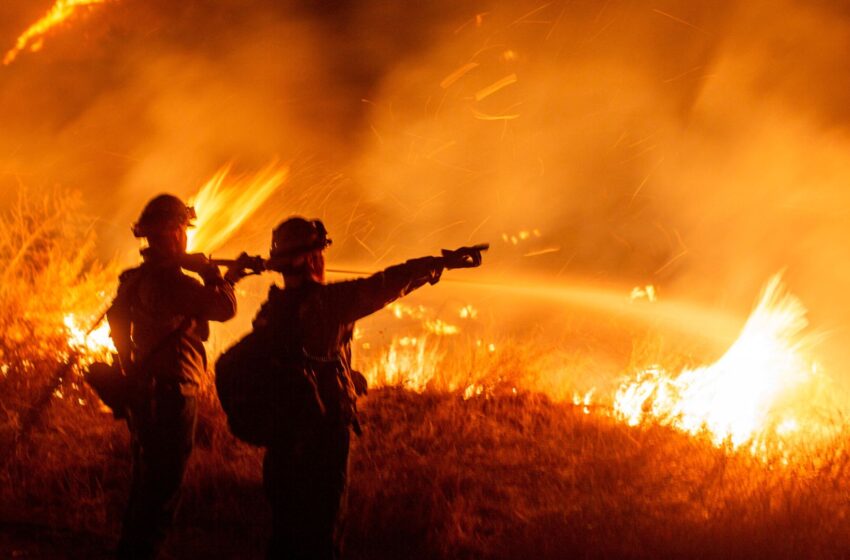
(297, 236)
(162, 212)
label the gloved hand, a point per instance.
(464, 257)
(197, 262)
(245, 265)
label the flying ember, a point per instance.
(33, 37)
(753, 391)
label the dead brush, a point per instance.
(49, 269)
(512, 471)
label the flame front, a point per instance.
(752, 390)
(225, 202)
(34, 35)
(410, 362)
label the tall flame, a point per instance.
(225, 202)
(33, 37)
(752, 390)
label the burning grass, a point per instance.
(51, 284)
(473, 446)
(439, 476)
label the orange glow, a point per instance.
(94, 346)
(440, 327)
(33, 37)
(755, 390)
(409, 362)
(225, 202)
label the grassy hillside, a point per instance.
(436, 476)
(504, 474)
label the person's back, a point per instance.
(159, 321)
(305, 467)
(164, 301)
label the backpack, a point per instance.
(267, 397)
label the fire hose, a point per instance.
(465, 256)
(256, 264)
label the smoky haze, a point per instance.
(697, 146)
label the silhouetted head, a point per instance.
(297, 250)
(163, 223)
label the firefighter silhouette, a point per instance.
(312, 322)
(159, 322)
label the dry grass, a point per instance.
(502, 475)
(48, 268)
(436, 476)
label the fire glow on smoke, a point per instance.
(751, 394)
(226, 201)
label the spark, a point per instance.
(680, 20)
(478, 227)
(363, 244)
(683, 74)
(477, 20)
(672, 261)
(546, 251)
(458, 74)
(485, 117)
(442, 229)
(535, 11)
(495, 86)
(510, 55)
(646, 179)
(436, 151)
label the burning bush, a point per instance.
(53, 286)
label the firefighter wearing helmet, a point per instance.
(159, 321)
(306, 463)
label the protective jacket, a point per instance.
(160, 319)
(305, 470)
(316, 321)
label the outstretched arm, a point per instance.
(358, 298)
(354, 299)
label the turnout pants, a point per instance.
(305, 480)
(162, 432)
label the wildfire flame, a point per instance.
(409, 362)
(93, 346)
(33, 37)
(225, 202)
(753, 390)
